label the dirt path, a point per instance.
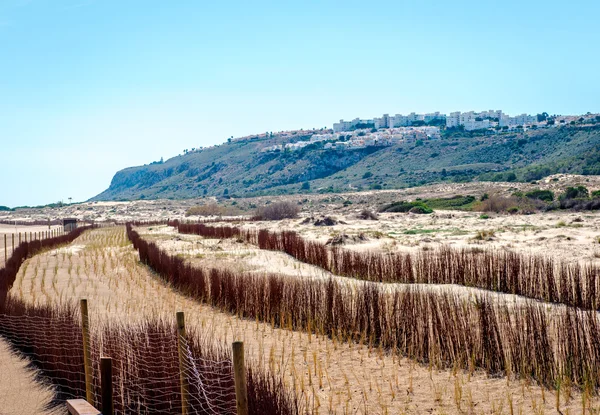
(332, 377)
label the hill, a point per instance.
(241, 168)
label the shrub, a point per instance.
(484, 216)
(485, 235)
(580, 204)
(213, 209)
(367, 175)
(421, 209)
(511, 204)
(456, 202)
(278, 211)
(596, 194)
(545, 195)
(579, 192)
(367, 214)
(403, 207)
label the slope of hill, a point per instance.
(239, 168)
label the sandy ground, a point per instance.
(9, 230)
(334, 377)
(568, 236)
(313, 203)
(20, 394)
(244, 257)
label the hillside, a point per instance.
(239, 168)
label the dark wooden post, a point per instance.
(87, 356)
(185, 408)
(106, 385)
(239, 375)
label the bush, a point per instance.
(580, 204)
(367, 214)
(545, 195)
(484, 216)
(213, 209)
(278, 211)
(596, 194)
(367, 175)
(423, 209)
(456, 202)
(510, 204)
(404, 207)
(579, 192)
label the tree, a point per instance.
(305, 186)
(225, 192)
(367, 175)
(542, 117)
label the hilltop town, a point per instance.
(389, 130)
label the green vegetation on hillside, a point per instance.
(241, 168)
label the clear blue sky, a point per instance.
(89, 87)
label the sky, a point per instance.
(91, 87)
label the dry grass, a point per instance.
(335, 376)
(213, 209)
(278, 211)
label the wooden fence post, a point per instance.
(87, 356)
(5, 250)
(106, 385)
(239, 375)
(13, 244)
(19, 238)
(185, 408)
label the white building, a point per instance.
(349, 125)
(477, 125)
(453, 120)
(523, 119)
(472, 120)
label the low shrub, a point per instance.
(579, 192)
(545, 195)
(278, 211)
(484, 235)
(420, 210)
(213, 209)
(457, 202)
(580, 204)
(367, 214)
(511, 204)
(404, 207)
